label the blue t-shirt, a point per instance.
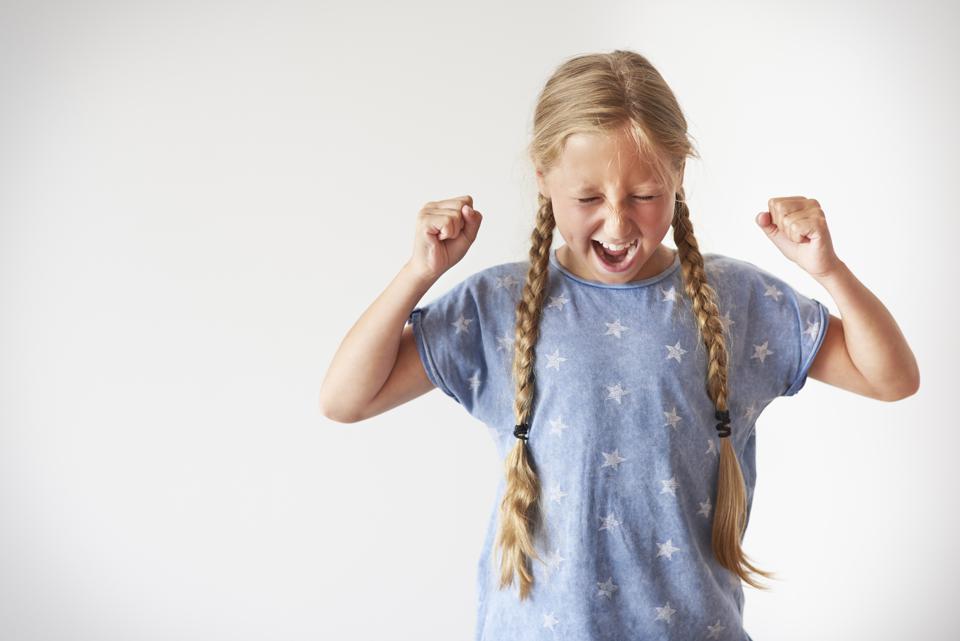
(624, 438)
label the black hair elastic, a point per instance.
(724, 425)
(521, 431)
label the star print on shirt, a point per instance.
(705, 508)
(504, 342)
(554, 360)
(670, 486)
(549, 620)
(772, 292)
(669, 294)
(675, 351)
(667, 549)
(672, 418)
(726, 321)
(553, 561)
(612, 459)
(461, 323)
(558, 302)
(664, 613)
(475, 381)
(711, 447)
(506, 282)
(616, 392)
(615, 328)
(714, 630)
(812, 329)
(557, 426)
(607, 588)
(761, 351)
(609, 522)
(750, 411)
(556, 494)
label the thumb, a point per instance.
(471, 222)
(765, 221)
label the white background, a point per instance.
(199, 199)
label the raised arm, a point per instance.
(369, 355)
(377, 366)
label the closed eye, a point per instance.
(587, 200)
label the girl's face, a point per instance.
(602, 190)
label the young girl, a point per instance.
(622, 380)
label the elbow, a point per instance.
(907, 388)
(336, 415)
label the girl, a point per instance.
(621, 379)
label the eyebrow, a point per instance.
(640, 185)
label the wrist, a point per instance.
(421, 281)
(839, 271)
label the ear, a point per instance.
(542, 184)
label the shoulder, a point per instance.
(499, 279)
(728, 270)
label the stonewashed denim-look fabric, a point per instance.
(623, 435)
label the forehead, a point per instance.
(590, 159)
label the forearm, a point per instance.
(873, 339)
(368, 352)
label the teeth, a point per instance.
(616, 247)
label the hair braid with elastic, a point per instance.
(520, 516)
(729, 518)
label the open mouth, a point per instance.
(616, 261)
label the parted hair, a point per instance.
(604, 93)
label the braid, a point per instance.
(520, 508)
(729, 519)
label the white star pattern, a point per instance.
(462, 323)
(715, 266)
(554, 360)
(607, 356)
(715, 630)
(772, 292)
(672, 418)
(667, 549)
(670, 486)
(669, 294)
(556, 494)
(664, 613)
(612, 459)
(475, 381)
(557, 426)
(506, 282)
(615, 328)
(761, 351)
(616, 392)
(553, 561)
(675, 351)
(726, 321)
(606, 588)
(549, 620)
(609, 522)
(558, 302)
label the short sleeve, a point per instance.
(776, 329)
(458, 337)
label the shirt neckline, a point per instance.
(634, 285)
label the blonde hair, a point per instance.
(602, 93)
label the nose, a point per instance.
(617, 225)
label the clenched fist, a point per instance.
(798, 227)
